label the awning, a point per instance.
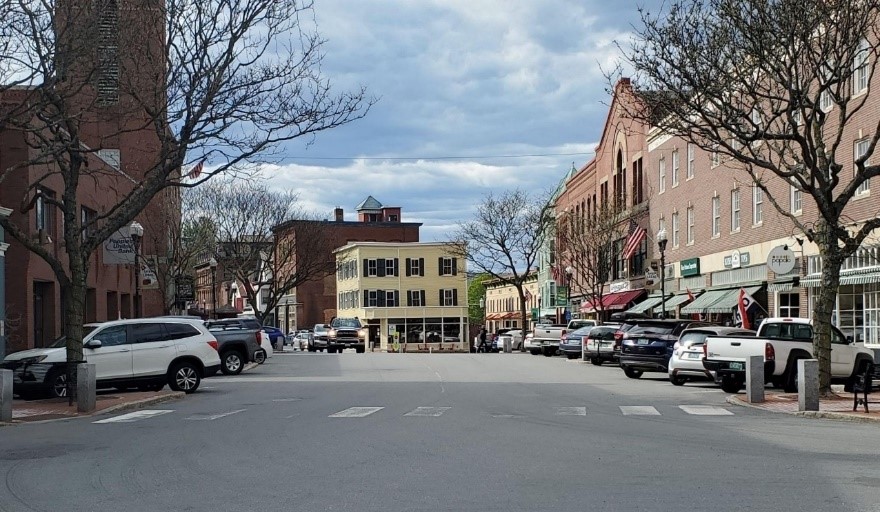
(646, 304)
(702, 302)
(815, 281)
(782, 286)
(493, 316)
(729, 300)
(675, 301)
(613, 301)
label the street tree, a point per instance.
(244, 214)
(476, 292)
(504, 239)
(213, 86)
(775, 89)
(585, 246)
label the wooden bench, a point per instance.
(865, 383)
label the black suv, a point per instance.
(648, 345)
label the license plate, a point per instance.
(643, 341)
(736, 366)
(694, 355)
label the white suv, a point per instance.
(146, 353)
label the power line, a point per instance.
(470, 157)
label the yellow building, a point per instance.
(415, 293)
(503, 303)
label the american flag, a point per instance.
(196, 171)
(634, 239)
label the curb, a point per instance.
(831, 415)
(249, 366)
(137, 404)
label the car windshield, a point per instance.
(693, 338)
(345, 322)
(62, 341)
(651, 329)
(603, 333)
(579, 324)
(788, 330)
(583, 331)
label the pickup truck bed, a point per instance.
(237, 347)
(546, 339)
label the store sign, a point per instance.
(186, 290)
(620, 286)
(652, 275)
(689, 267)
(781, 260)
(737, 259)
(119, 249)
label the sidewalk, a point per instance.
(839, 408)
(25, 411)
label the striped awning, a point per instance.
(702, 302)
(646, 304)
(815, 281)
(781, 286)
(675, 301)
(729, 300)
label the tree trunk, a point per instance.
(74, 295)
(823, 305)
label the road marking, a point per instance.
(135, 416)
(356, 412)
(705, 410)
(428, 411)
(639, 410)
(287, 399)
(571, 411)
(212, 417)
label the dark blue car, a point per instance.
(276, 335)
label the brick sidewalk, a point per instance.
(26, 411)
(839, 407)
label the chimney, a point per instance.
(337, 213)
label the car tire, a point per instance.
(311, 349)
(57, 381)
(572, 356)
(360, 350)
(790, 377)
(231, 362)
(184, 376)
(731, 385)
(632, 374)
(534, 352)
(260, 356)
(677, 380)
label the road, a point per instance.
(465, 432)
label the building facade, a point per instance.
(502, 304)
(412, 293)
(4, 212)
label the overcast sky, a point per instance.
(479, 79)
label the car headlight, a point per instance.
(33, 360)
(362, 333)
(331, 333)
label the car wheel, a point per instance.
(731, 385)
(534, 352)
(57, 383)
(596, 361)
(260, 356)
(572, 356)
(677, 380)
(231, 363)
(791, 377)
(184, 376)
(311, 349)
(360, 350)
(632, 374)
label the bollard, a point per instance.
(508, 346)
(755, 379)
(5, 395)
(808, 384)
(85, 387)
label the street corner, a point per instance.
(840, 407)
(54, 409)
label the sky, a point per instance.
(474, 97)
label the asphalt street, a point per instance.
(442, 432)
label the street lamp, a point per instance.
(213, 264)
(136, 232)
(568, 272)
(661, 244)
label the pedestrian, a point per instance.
(482, 339)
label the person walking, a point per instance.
(482, 346)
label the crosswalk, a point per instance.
(359, 412)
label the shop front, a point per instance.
(611, 303)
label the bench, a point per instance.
(865, 383)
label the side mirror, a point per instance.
(850, 340)
(93, 344)
(326, 326)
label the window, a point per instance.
(371, 298)
(716, 216)
(675, 165)
(756, 119)
(662, 174)
(690, 226)
(108, 54)
(43, 210)
(860, 69)
(391, 267)
(415, 298)
(716, 157)
(675, 229)
(734, 210)
(371, 268)
(619, 269)
(690, 163)
(86, 217)
(637, 180)
(637, 262)
(825, 100)
(662, 225)
(448, 266)
(796, 116)
(391, 298)
(796, 200)
(180, 331)
(415, 267)
(148, 333)
(111, 157)
(449, 297)
(789, 304)
(757, 205)
(860, 151)
(112, 336)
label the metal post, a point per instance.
(663, 282)
(755, 379)
(6, 395)
(214, 291)
(85, 387)
(138, 311)
(808, 384)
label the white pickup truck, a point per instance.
(546, 337)
(782, 342)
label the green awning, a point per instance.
(729, 300)
(675, 301)
(781, 286)
(702, 302)
(646, 304)
(815, 281)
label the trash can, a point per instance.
(508, 342)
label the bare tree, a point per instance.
(586, 244)
(775, 88)
(179, 81)
(504, 239)
(244, 215)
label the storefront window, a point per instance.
(850, 314)
(789, 304)
(872, 314)
(451, 330)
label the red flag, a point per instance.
(636, 235)
(744, 303)
(694, 316)
(196, 171)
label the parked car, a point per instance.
(516, 339)
(146, 353)
(571, 342)
(687, 353)
(601, 345)
(647, 346)
(319, 338)
(300, 340)
(276, 335)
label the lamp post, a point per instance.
(136, 231)
(661, 244)
(213, 264)
(568, 272)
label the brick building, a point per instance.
(315, 300)
(502, 304)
